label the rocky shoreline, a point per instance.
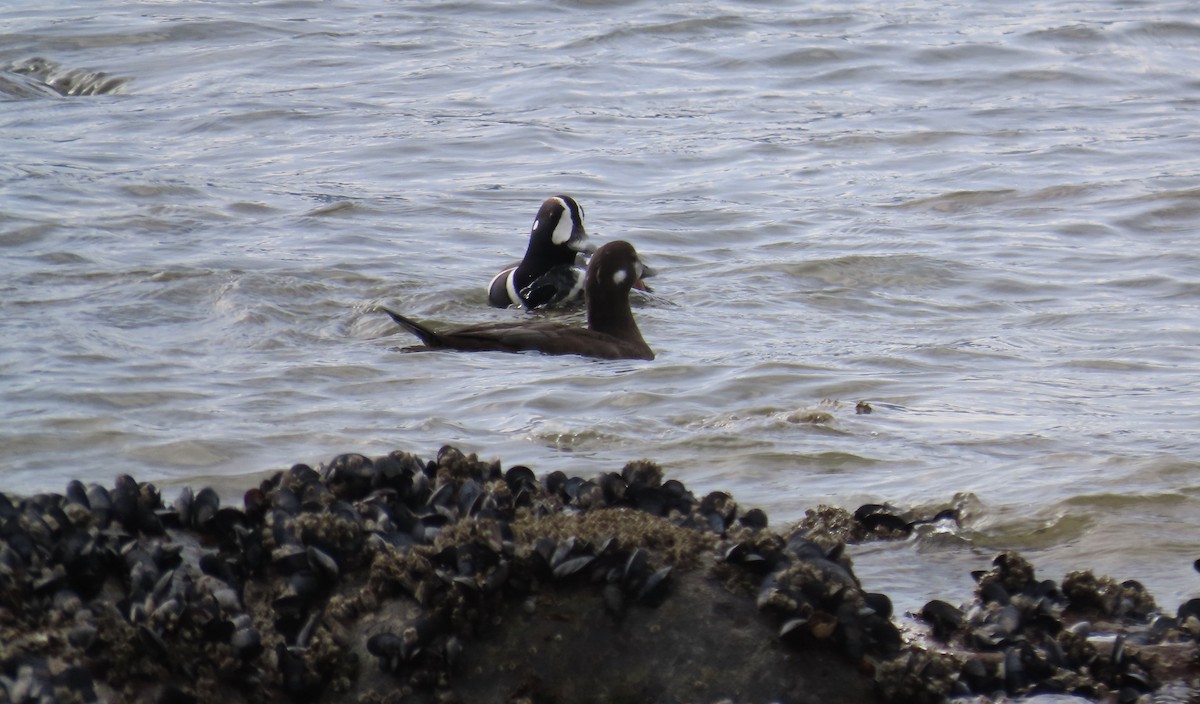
(457, 580)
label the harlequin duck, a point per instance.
(548, 274)
(611, 332)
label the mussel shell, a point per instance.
(428, 527)
(420, 491)
(449, 455)
(754, 519)
(299, 475)
(880, 604)
(572, 566)
(76, 493)
(205, 507)
(213, 565)
(289, 606)
(100, 500)
(1136, 679)
(1015, 678)
(555, 484)
(286, 500)
(562, 551)
(226, 521)
(718, 502)
(636, 567)
(8, 510)
(183, 507)
(974, 674)
(416, 636)
(314, 496)
(802, 548)
(993, 592)
(575, 487)
(396, 471)
(545, 547)
(290, 558)
(305, 584)
(385, 645)
(678, 497)
(614, 488)
(82, 636)
(352, 474)
(520, 478)
(651, 500)
(886, 521)
(1008, 620)
(944, 619)
(346, 512)
(470, 497)
(125, 504)
(226, 599)
(442, 496)
(655, 587)
(246, 643)
(254, 504)
(325, 567)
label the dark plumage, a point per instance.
(611, 332)
(548, 274)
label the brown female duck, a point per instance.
(611, 331)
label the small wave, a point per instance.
(955, 55)
(39, 77)
(1070, 33)
(958, 201)
(1166, 31)
(810, 56)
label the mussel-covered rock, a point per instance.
(396, 577)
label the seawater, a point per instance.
(978, 217)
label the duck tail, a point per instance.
(429, 337)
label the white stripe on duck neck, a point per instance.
(510, 285)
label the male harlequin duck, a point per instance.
(611, 332)
(548, 274)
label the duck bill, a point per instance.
(640, 284)
(579, 242)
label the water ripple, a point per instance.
(977, 217)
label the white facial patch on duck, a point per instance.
(562, 231)
(620, 276)
(535, 224)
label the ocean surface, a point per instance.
(980, 218)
